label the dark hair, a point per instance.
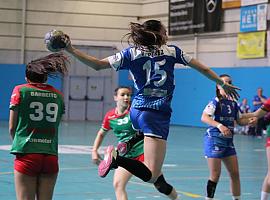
(149, 34)
(52, 65)
(217, 90)
(121, 87)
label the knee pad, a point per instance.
(162, 186)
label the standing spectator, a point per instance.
(258, 101)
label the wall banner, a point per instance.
(253, 18)
(191, 16)
(252, 2)
(268, 42)
(231, 4)
(251, 45)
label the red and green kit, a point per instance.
(266, 107)
(123, 130)
(40, 108)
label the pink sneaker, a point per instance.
(108, 163)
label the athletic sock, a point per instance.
(135, 167)
(236, 197)
(264, 195)
(211, 188)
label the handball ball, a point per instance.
(55, 40)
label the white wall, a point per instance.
(103, 23)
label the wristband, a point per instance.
(219, 125)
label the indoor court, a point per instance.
(185, 166)
(170, 55)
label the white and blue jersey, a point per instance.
(226, 112)
(152, 73)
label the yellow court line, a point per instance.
(188, 194)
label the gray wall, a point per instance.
(90, 21)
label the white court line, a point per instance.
(67, 149)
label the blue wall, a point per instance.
(193, 91)
(10, 76)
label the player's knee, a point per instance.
(162, 186)
(234, 174)
(267, 182)
(119, 185)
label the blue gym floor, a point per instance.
(185, 166)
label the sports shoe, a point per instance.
(108, 163)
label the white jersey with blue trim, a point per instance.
(224, 111)
(152, 72)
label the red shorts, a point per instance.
(267, 143)
(139, 158)
(35, 164)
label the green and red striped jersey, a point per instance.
(40, 108)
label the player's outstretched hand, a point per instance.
(231, 90)
(252, 121)
(96, 158)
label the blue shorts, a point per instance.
(152, 123)
(213, 149)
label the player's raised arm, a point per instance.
(90, 61)
(57, 40)
(231, 90)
